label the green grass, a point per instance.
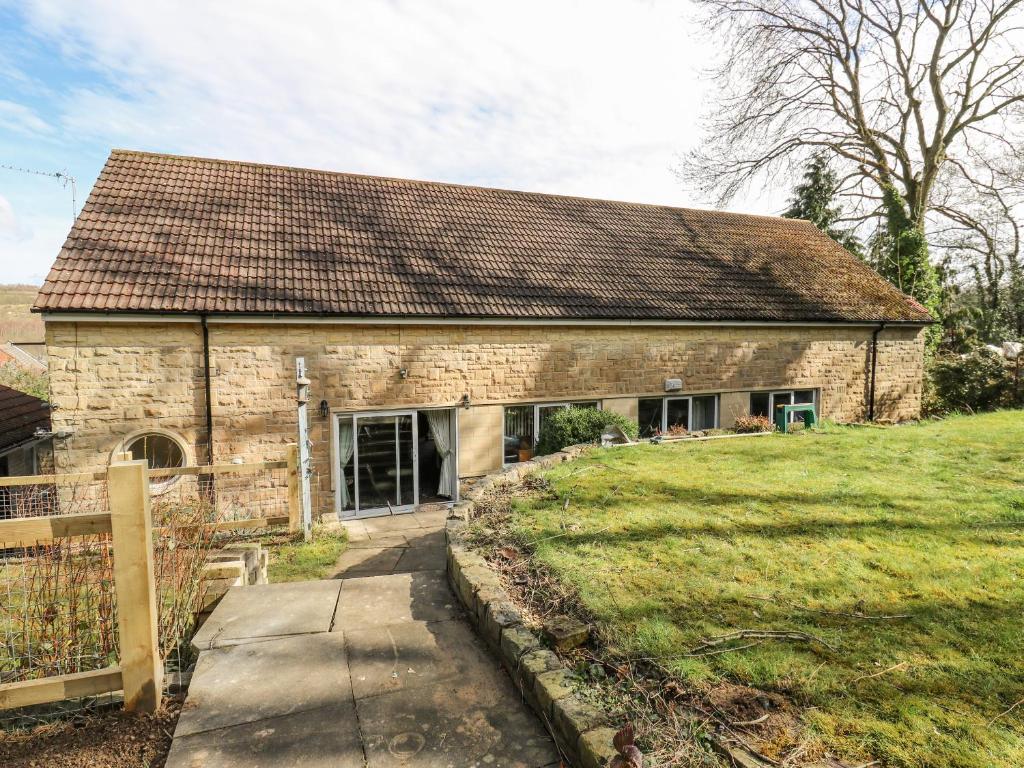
(667, 545)
(298, 561)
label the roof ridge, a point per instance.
(455, 184)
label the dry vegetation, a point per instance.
(17, 323)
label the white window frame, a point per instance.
(157, 487)
(792, 394)
(689, 408)
(536, 419)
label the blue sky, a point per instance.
(594, 98)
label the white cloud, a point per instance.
(29, 242)
(585, 98)
(8, 222)
(22, 119)
(589, 98)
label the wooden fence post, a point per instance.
(135, 585)
(294, 504)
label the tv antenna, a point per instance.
(63, 177)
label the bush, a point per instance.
(16, 377)
(747, 424)
(571, 426)
(977, 381)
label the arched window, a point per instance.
(161, 450)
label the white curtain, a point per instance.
(441, 430)
(346, 442)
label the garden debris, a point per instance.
(566, 632)
(858, 613)
(629, 755)
(893, 668)
(759, 634)
(113, 739)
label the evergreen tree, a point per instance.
(904, 261)
(814, 199)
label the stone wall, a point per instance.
(109, 380)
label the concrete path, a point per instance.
(376, 668)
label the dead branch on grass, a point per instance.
(852, 615)
(893, 668)
(1006, 711)
(763, 634)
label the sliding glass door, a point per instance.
(377, 463)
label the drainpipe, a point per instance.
(874, 368)
(209, 391)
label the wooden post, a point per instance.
(294, 504)
(135, 585)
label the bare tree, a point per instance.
(980, 234)
(894, 90)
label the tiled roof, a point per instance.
(12, 353)
(20, 415)
(162, 233)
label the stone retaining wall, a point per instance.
(582, 732)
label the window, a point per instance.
(518, 433)
(764, 403)
(161, 451)
(665, 415)
(523, 424)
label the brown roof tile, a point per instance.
(20, 415)
(162, 233)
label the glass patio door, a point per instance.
(378, 463)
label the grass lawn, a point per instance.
(294, 560)
(669, 545)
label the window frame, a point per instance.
(689, 409)
(187, 457)
(597, 403)
(792, 396)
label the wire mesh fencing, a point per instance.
(58, 605)
(58, 610)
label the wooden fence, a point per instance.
(128, 520)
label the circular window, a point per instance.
(161, 451)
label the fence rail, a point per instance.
(136, 517)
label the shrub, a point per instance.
(16, 377)
(748, 424)
(571, 426)
(977, 381)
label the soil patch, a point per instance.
(115, 739)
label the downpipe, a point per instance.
(874, 370)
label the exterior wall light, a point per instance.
(465, 400)
(324, 409)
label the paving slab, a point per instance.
(244, 683)
(366, 561)
(355, 530)
(377, 601)
(356, 672)
(431, 517)
(415, 654)
(378, 541)
(321, 738)
(270, 610)
(432, 558)
(388, 523)
(453, 725)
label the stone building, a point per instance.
(26, 444)
(439, 324)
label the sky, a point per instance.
(585, 98)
